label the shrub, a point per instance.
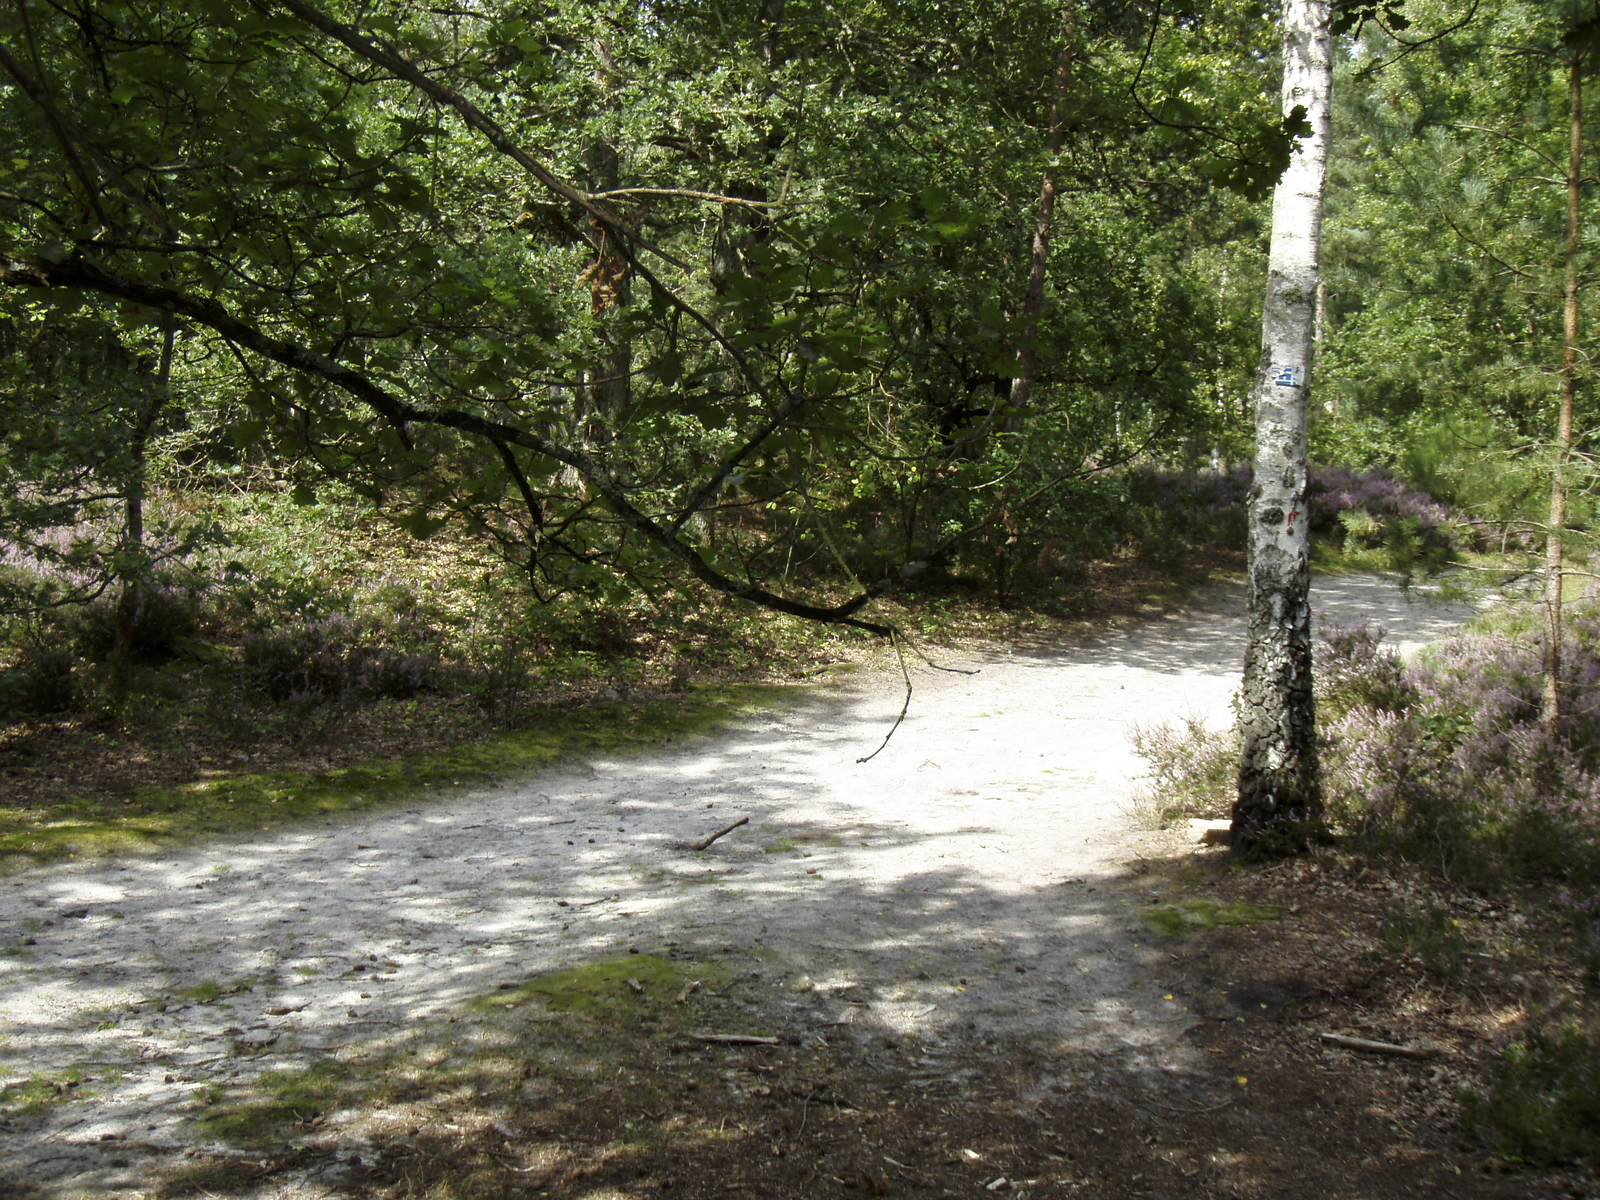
(1446, 761)
(1373, 510)
(40, 684)
(1543, 1104)
(164, 615)
(1193, 771)
(1353, 671)
(335, 659)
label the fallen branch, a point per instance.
(1355, 1043)
(701, 845)
(735, 1039)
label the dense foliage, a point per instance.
(648, 294)
(1444, 259)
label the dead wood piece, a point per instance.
(703, 843)
(1355, 1043)
(735, 1039)
(688, 990)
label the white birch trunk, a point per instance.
(1279, 800)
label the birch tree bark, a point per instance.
(1279, 799)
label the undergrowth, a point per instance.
(1543, 1104)
(1443, 762)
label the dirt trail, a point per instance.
(958, 884)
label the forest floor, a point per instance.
(962, 966)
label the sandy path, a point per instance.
(976, 847)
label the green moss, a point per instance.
(601, 992)
(794, 842)
(204, 992)
(1185, 916)
(259, 1113)
(34, 1095)
(245, 801)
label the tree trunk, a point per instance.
(131, 552)
(612, 385)
(1279, 800)
(1550, 710)
(1033, 297)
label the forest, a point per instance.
(406, 397)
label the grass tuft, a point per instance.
(1430, 935)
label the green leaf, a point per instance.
(420, 524)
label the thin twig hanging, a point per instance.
(894, 640)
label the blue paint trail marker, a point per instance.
(1286, 376)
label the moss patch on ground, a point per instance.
(243, 801)
(263, 1112)
(1188, 916)
(631, 992)
(517, 1048)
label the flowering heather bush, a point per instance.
(1373, 508)
(1193, 772)
(1335, 491)
(1445, 760)
(1354, 671)
(60, 563)
(336, 659)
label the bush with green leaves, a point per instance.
(1543, 1101)
(40, 683)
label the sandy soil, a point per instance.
(957, 886)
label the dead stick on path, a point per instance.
(735, 1039)
(701, 845)
(1355, 1043)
